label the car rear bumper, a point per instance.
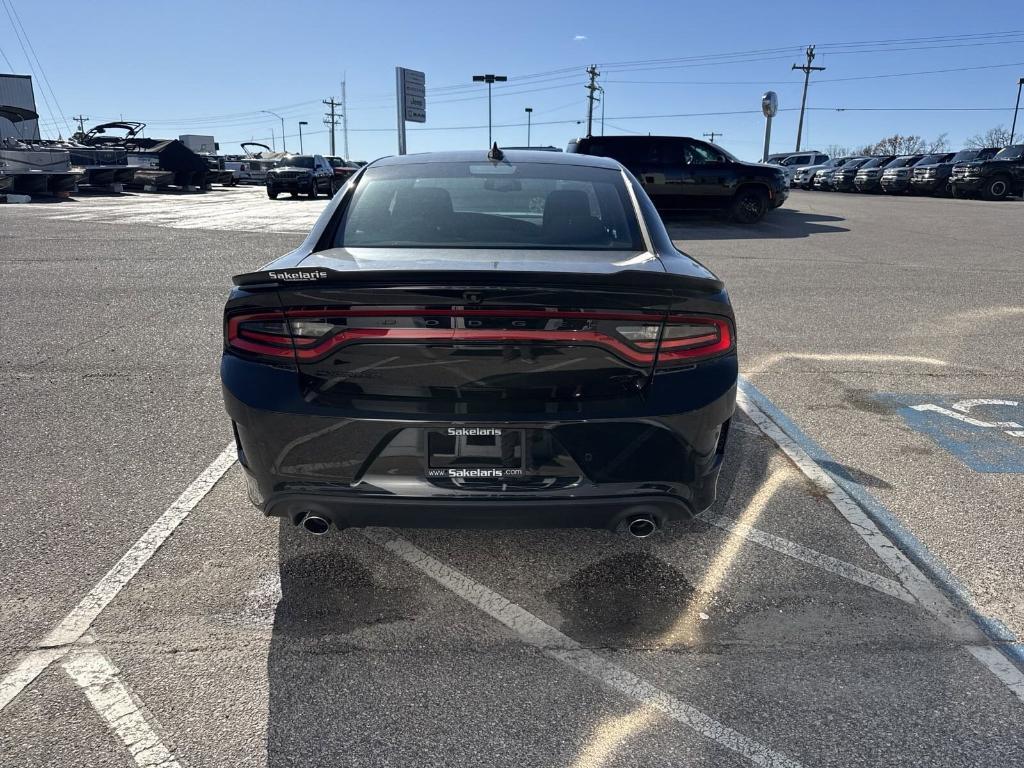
(374, 469)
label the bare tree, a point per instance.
(897, 145)
(838, 150)
(993, 137)
(939, 144)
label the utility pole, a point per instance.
(806, 69)
(591, 87)
(331, 120)
(712, 135)
(82, 118)
(529, 120)
(301, 123)
(1013, 128)
(344, 116)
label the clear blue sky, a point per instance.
(209, 67)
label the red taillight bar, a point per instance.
(641, 352)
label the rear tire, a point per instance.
(749, 205)
(997, 188)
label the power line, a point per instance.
(42, 72)
(9, 65)
(28, 60)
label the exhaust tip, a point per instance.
(641, 526)
(316, 525)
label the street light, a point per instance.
(301, 123)
(1013, 129)
(284, 146)
(601, 89)
(529, 116)
(489, 79)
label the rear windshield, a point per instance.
(1012, 152)
(491, 205)
(964, 155)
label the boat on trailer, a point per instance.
(30, 169)
(155, 162)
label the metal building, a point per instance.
(16, 91)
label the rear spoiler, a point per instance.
(626, 278)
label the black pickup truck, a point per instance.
(992, 179)
(683, 174)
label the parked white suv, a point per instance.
(792, 163)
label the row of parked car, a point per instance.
(309, 175)
(991, 173)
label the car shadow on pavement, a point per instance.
(781, 223)
(372, 663)
(363, 661)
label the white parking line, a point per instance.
(60, 639)
(915, 582)
(912, 579)
(558, 646)
(833, 565)
(96, 675)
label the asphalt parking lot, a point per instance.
(852, 599)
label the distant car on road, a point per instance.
(869, 176)
(994, 178)
(803, 177)
(827, 179)
(684, 174)
(301, 174)
(844, 180)
(897, 175)
(343, 169)
(482, 339)
(934, 179)
(791, 163)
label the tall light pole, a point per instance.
(284, 145)
(601, 89)
(529, 120)
(489, 79)
(301, 123)
(1013, 128)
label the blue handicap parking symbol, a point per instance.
(986, 434)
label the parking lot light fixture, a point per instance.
(529, 115)
(489, 79)
(284, 144)
(301, 123)
(1013, 128)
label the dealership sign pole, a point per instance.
(770, 107)
(411, 93)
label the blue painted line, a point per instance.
(1001, 635)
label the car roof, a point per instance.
(512, 156)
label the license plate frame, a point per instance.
(476, 448)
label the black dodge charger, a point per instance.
(482, 339)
